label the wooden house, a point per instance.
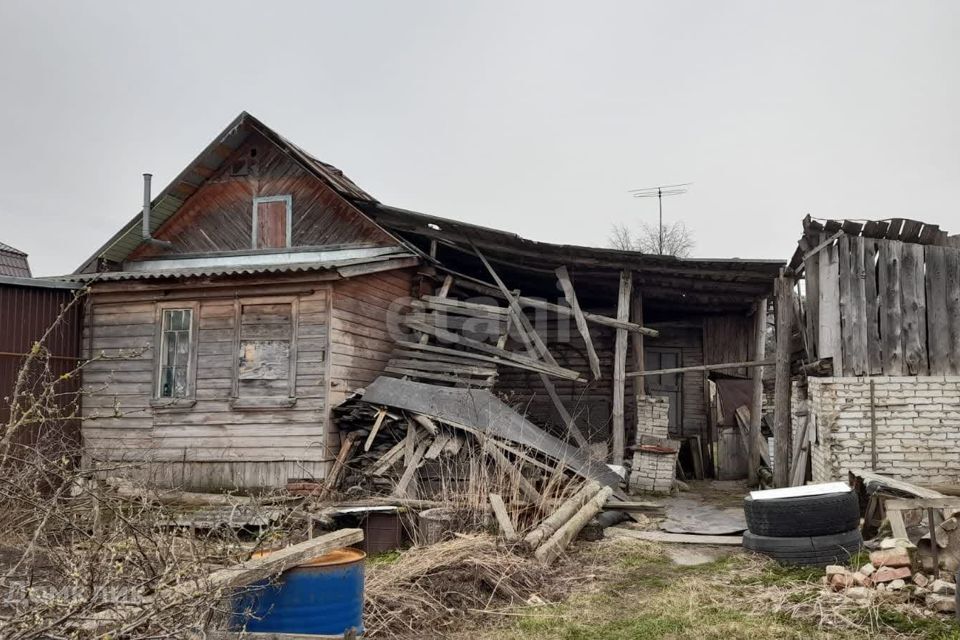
(262, 286)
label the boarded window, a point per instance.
(271, 222)
(175, 352)
(266, 349)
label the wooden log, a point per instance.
(549, 550)
(571, 295)
(503, 518)
(756, 380)
(564, 512)
(781, 417)
(127, 490)
(619, 368)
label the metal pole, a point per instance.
(660, 202)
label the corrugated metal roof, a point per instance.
(169, 201)
(13, 262)
(393, 261)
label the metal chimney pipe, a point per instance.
(146, 205)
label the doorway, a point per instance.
(666, 384)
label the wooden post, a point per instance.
(620, 367)
(781, 405)
(756, 403)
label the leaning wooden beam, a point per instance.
(503, 518)
(553, 547)
(620, 367)
(566, 312)
(564, 512)
(456, 338)
(571, 295)
(525, 329)
(783, 440)
(705, 367)
(511, 470)
(412, 466)
(568, 420)
(510, 359)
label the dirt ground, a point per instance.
(622, 589)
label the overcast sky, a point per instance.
(535, 117)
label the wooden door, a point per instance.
(271, 224)
(668, 384)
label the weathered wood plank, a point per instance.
(571, 295)
(914, 310)
(619, 368)
(891, 315)
(852, 304)
(811, 271)
(829, 335)
(503, 518)
(953, 307)
(781, 421)
(874, 358)
(938, 322)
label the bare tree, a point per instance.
(678, 240)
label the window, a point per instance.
(176, 351)
(272, 219)
(265, 374)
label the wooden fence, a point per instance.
(883, 307)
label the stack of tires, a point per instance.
(806, 530)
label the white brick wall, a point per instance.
(918, 427)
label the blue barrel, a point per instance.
(323, 597)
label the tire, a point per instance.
(821, 515)
(819, 551)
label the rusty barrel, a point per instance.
(323, 596)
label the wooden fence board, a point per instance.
(914, 310)
(874, 360)
(938, 330)
(829, 329)
(811, 267)
(952, 264)
(891, 314)
(852, 302)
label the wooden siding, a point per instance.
(121, 423)
(727, 339)
(688, 337)
(219, 216)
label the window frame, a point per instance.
(189, 400)
(257, 200)
(265, 402)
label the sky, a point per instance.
(534, 117)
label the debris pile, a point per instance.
(893, 573)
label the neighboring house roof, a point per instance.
(13, 262)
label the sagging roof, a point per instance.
(169, 201)
(696, 284)
(13, 262)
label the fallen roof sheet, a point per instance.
(480, 410)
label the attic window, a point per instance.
(272, 221)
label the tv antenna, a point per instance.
(659, 192)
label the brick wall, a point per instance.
(918, 427)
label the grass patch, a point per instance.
(384, 557)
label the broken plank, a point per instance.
(511, 470)
(681, 538)
(404, 482)
(571, 295)
(381, 414)
(389, 459)
(503, 518)
(437, 446)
